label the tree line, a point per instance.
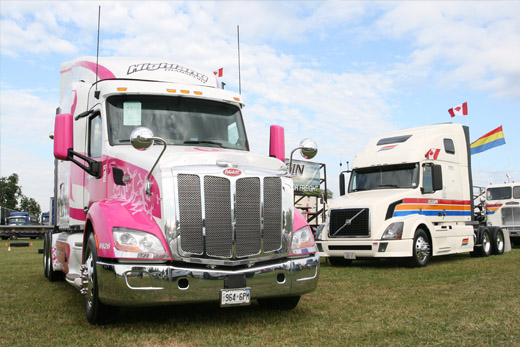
(11, 196)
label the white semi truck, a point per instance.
(159, 200)
(410, 196)
(502, 208)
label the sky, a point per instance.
(340, 72)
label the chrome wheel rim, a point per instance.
(486, 244)
(90, 286)
(422, 249)
(500, 242)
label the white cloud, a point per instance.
(476, 44)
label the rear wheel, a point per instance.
(48, 271)
(421, 251)
(485, 248)
(13, 237)
(97, 312)
(498, 241)
(337, 261)
(284, 304)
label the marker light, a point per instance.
(122, 89)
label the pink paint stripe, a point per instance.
(77, 213)
(102, 71)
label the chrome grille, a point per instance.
(272, 213)
(219, 233)
(227, 203)
(247, 211)
(190, 214)
(352, 222)
(510, 216)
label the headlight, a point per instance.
(303, 242)
(130, 243)
(393, 232)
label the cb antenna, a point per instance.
(97, 53)
(239, 79)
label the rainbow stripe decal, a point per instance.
(465, 241)
(433, 207)
(491, 209)
(387, 148)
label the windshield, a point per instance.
(16, 220)
(499, 193)
(384, 177)
(177, 120)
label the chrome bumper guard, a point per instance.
(156, 284)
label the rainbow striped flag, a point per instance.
(492, 139)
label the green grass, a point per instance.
(454, 301)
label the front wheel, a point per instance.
(421, 251)
(284, 304)
(97, 312)
(48, 270)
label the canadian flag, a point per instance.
(219, 73)
(433, 153)
(461, 110)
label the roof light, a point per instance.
(197, 93)
(121, 89)
(236, 99)
(185, 91)
(171, 90)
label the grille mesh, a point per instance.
(218, 203)
(510, 216)
(219, 234)
(190, 214)
(272, 213)
(358, 226)
(247, 212)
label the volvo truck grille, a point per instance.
(222, 218)
(349, 223)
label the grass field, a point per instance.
(454, 301)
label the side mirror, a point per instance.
(342, 184)
(309, 148)
(63, 136)
(141, 138)
(277, 143)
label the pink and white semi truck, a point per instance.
(158, 199)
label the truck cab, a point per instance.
(160, 201)
(503, 208)
(409, 196)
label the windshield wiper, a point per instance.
(194, 142)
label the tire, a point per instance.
(497, 241)
(421, 249)
(485, 239)
(48, 271)
(337, 261)
(282, 304)
(97, 312)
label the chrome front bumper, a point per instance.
(155, 284)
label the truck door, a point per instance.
(95, 188)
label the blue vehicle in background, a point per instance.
(45, 220)
(21, 219)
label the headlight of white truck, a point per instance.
(393, 232)
(130, 243)
(303, 242)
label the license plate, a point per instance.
(349, 255)
(235, 297)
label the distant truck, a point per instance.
(20, 219)
(158, 199)
(502, 203)
(410, 196)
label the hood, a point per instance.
(181, 158)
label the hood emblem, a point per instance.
(232, 172)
